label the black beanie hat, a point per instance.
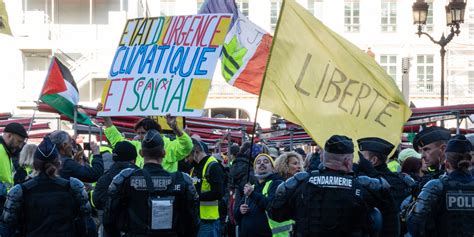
(17, 129)
(124, 151)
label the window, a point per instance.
(36, 11)
(35, 67)
(167, 7)
(471, 31)
(351, 16)
(274, 12)
(243, 6)
(389, 64)
(72, 12)
(470, 78)
(316, 8)
(429, 17)
(389, 16)
(424, 73)
(471, 22)
(101, 10)
(226, 113)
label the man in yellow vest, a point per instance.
(12, 140)
(208, 178)
(251, 214)
(176, 150)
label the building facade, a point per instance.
(85, 33)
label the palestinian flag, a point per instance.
(61, 93)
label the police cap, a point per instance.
(46, 150)
(152, 139)
(375, 144)
(338, 144)
(459, 144)
(430, 135)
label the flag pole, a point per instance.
(32, 119)
(100, 134)
(75, 120)
(261, 89)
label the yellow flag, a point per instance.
(4, 25)
(321, 81)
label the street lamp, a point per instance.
(454, 16)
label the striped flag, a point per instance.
(60, 91)
(245, 50)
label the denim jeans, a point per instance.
(210, 228)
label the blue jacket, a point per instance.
(255, 222)
(85, 173)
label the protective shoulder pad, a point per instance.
(300, 176)
(76, 185)
(119, 179)
(409, 180)
(293, 182)
(373, 183)
(16, 193)
(125, 173)
(433, 186)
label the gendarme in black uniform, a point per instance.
(424, 138)
(332, 202)
(400, 186)
(47, 206)
(170, 208)
(445, 206)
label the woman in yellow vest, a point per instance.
(251, 214)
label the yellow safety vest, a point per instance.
(209, 210)
(6, 168)
(279, 229)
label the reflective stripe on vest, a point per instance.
(209, 210)
(279, 229)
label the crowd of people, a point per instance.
(155, 185)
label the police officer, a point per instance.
(333, 202)
(151, 201)
(431, 143)
(445, 206)
(377, 150)
(47, 205)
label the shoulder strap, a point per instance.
(266, 187)
(61, 182)
(30, 184)
(149, 182)
(208, 168)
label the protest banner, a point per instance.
(164, 65)
(326, 84)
